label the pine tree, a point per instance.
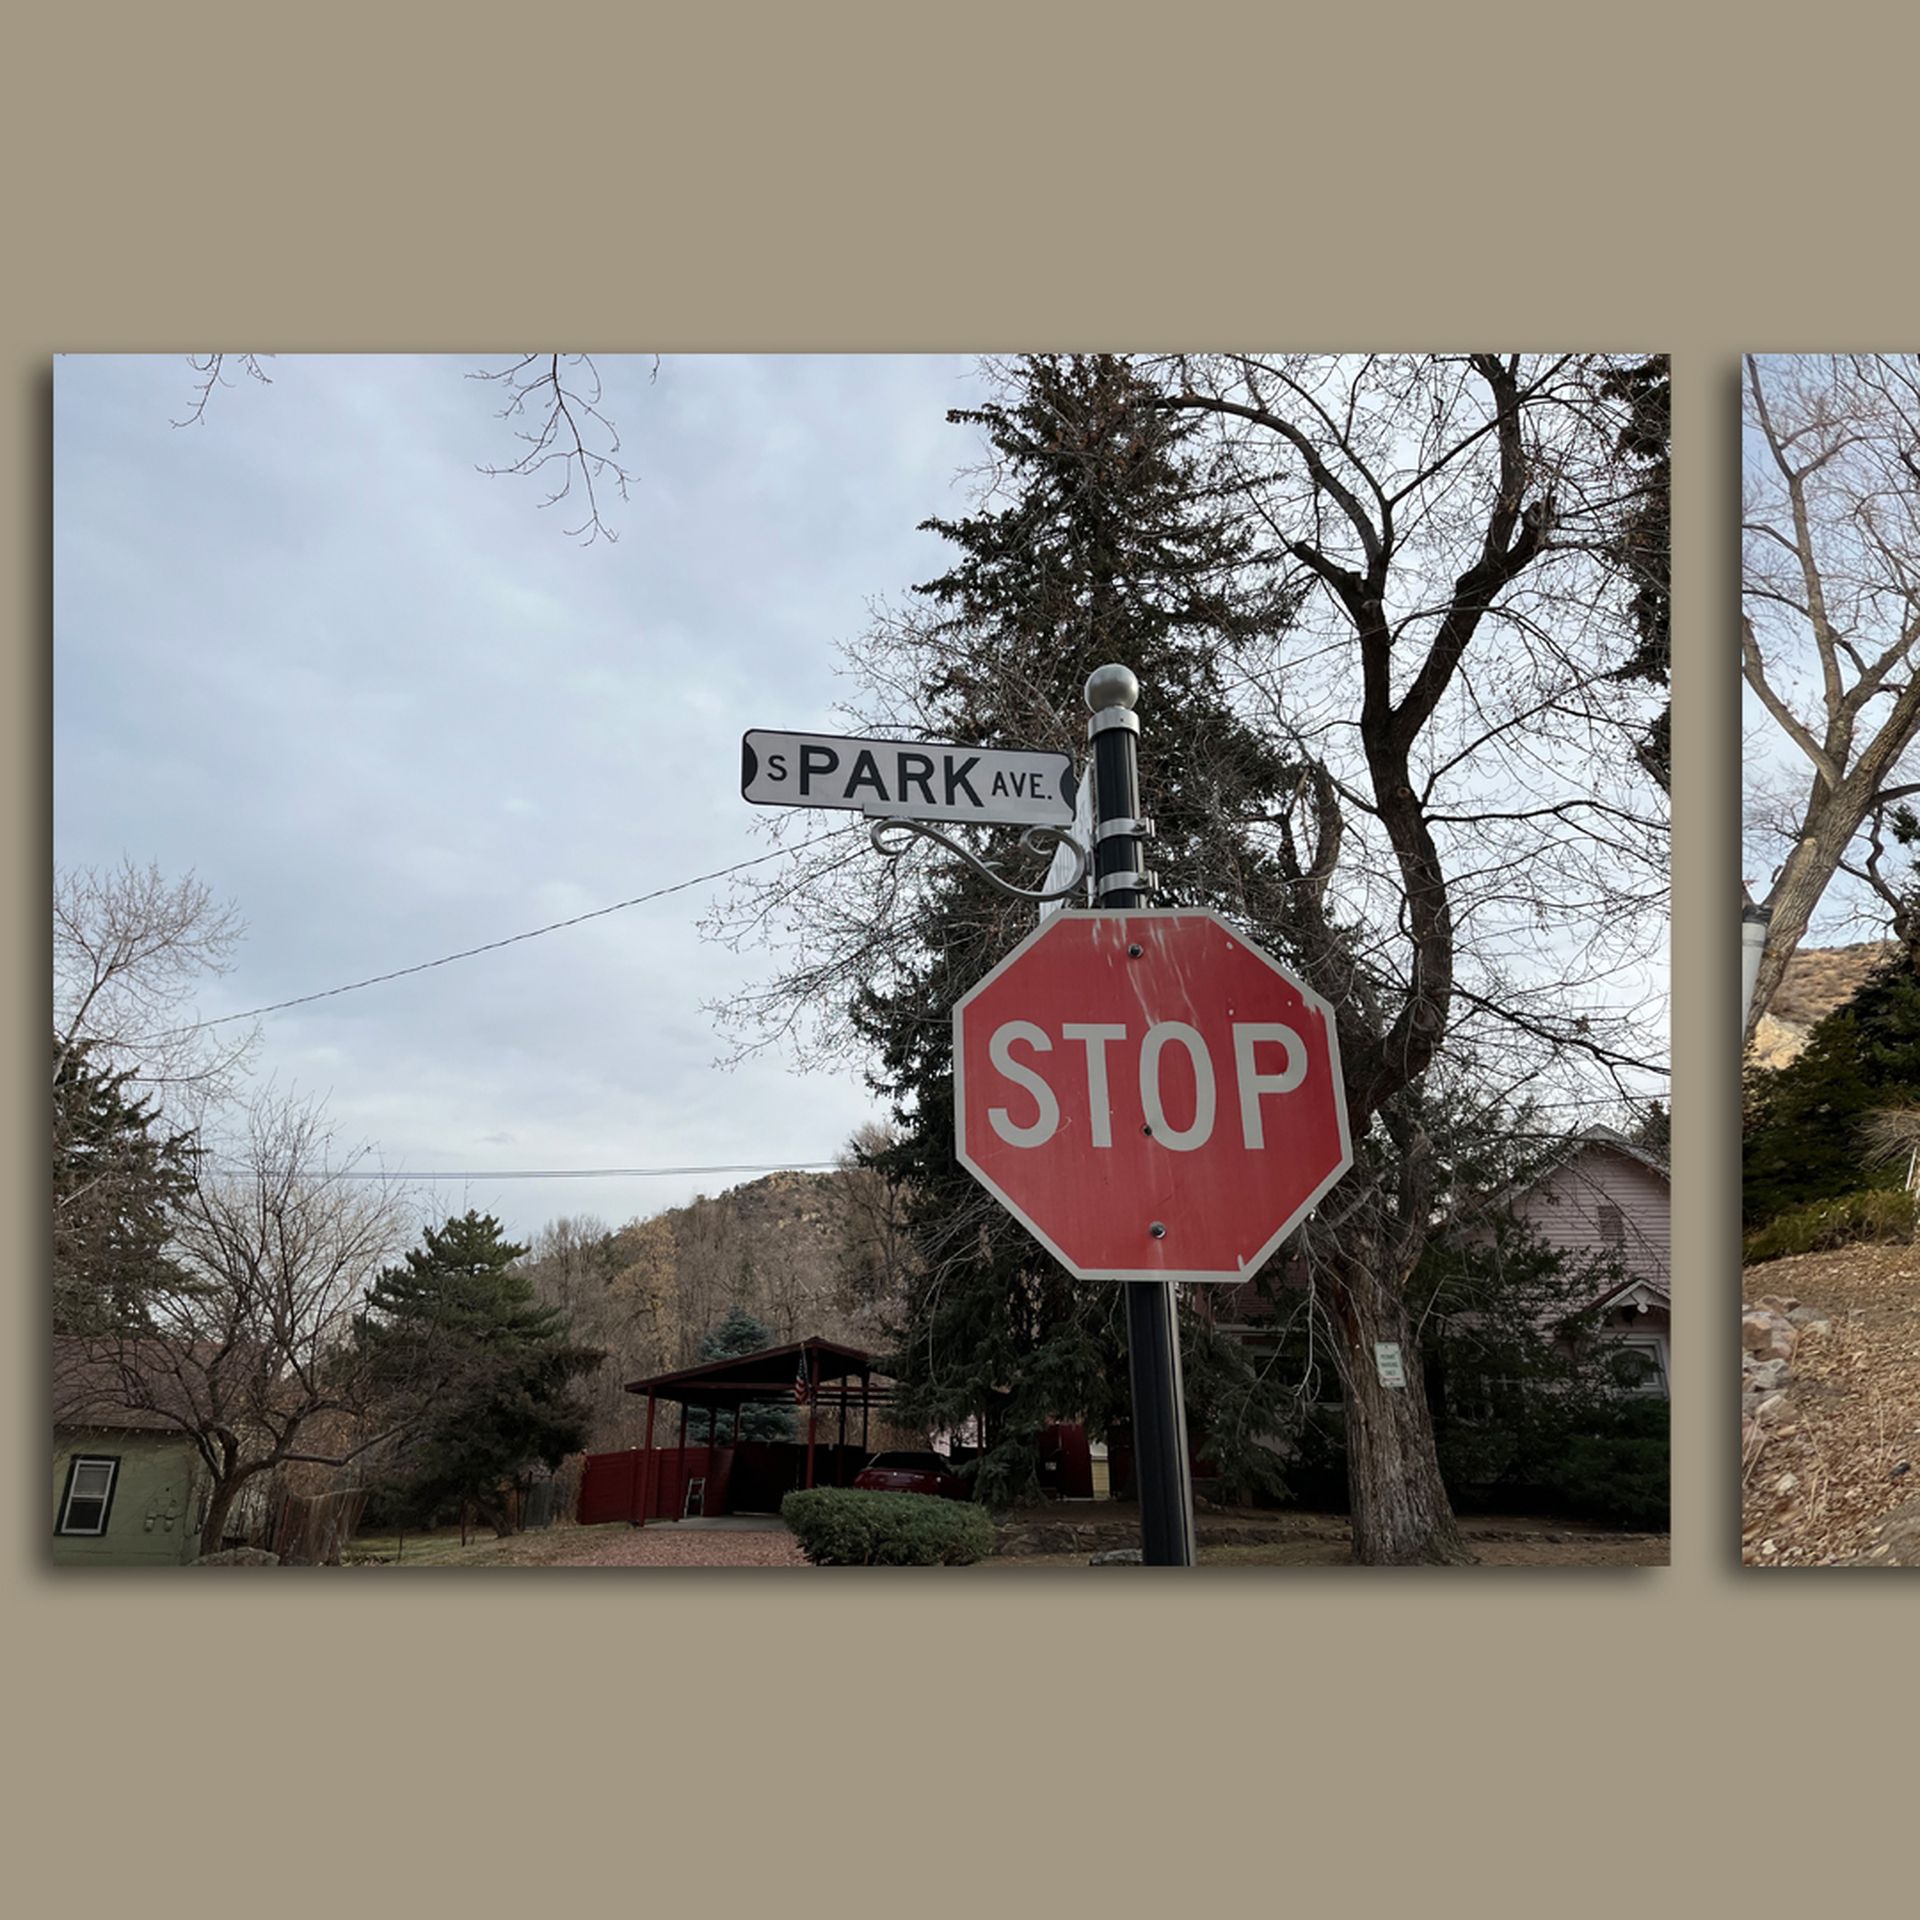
(459, 1334)
(1106, 546)
(1642, 548)
(1805, 1121)
(739, 1334)
(117, 1172)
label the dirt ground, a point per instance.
(1848, 1451)
(1289, 1540)
(1322, 1540)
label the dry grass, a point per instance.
(1833, 1469)
(613, 1544)
(547, 1546)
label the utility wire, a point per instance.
(512, 939)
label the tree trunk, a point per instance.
(1796, 893)
(1400, 1512)
(219, 1505)
(491, 1510)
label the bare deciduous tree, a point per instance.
(617, 1289)
(129, 948)
(251, 1355)
(1830, 623)
(1478, 867)
(878, 1255)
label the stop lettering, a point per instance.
(1150, 1094)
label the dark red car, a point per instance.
(911, 1473)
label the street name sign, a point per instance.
(1150, 1094)
(908, 779)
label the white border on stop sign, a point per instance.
(1324, 1008)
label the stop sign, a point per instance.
(1149, 1094)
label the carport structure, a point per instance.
(663, 1482)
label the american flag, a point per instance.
(801, 1390)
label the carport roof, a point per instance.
(766, 1375)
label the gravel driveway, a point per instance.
(673, 1546)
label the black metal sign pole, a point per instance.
(1153, 1329)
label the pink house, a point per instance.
(1601, 1194)
(1606, 1195)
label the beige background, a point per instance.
(885, 177)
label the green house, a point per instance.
(129, 1486)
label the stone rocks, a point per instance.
(239, 1557)
(1896, 1540)
(1768, 1336)
(1117, 1557)
(1771, 1328)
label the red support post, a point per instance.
(813, 1409)
(646, 1469)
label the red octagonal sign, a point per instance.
(1149, 1094)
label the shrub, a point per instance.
(849, 1527)
(1874, 1214)
(1616, 1472)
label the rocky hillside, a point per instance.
(1817, 980)
(1830, 1433)
(806, 1254)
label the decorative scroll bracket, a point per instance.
(1041, 840)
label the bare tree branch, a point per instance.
(559, 395)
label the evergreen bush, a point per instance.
(850, 1527)
(1616, 1471)
(1874, 1214)
(1807, 1124)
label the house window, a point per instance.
(1613, 1224)
(89, 1496)
(1642, 1367)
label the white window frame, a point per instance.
(1655, 1350)
(75, 1467)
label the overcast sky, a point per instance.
(386, 706)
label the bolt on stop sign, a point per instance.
(1149, 1094)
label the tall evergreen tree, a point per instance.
(1104, 544)
(1642, 548)
(456, 1330)
(117, 1172)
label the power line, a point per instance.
(512, 939)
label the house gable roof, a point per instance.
(1590, 1140)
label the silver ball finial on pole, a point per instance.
(1113, 686)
